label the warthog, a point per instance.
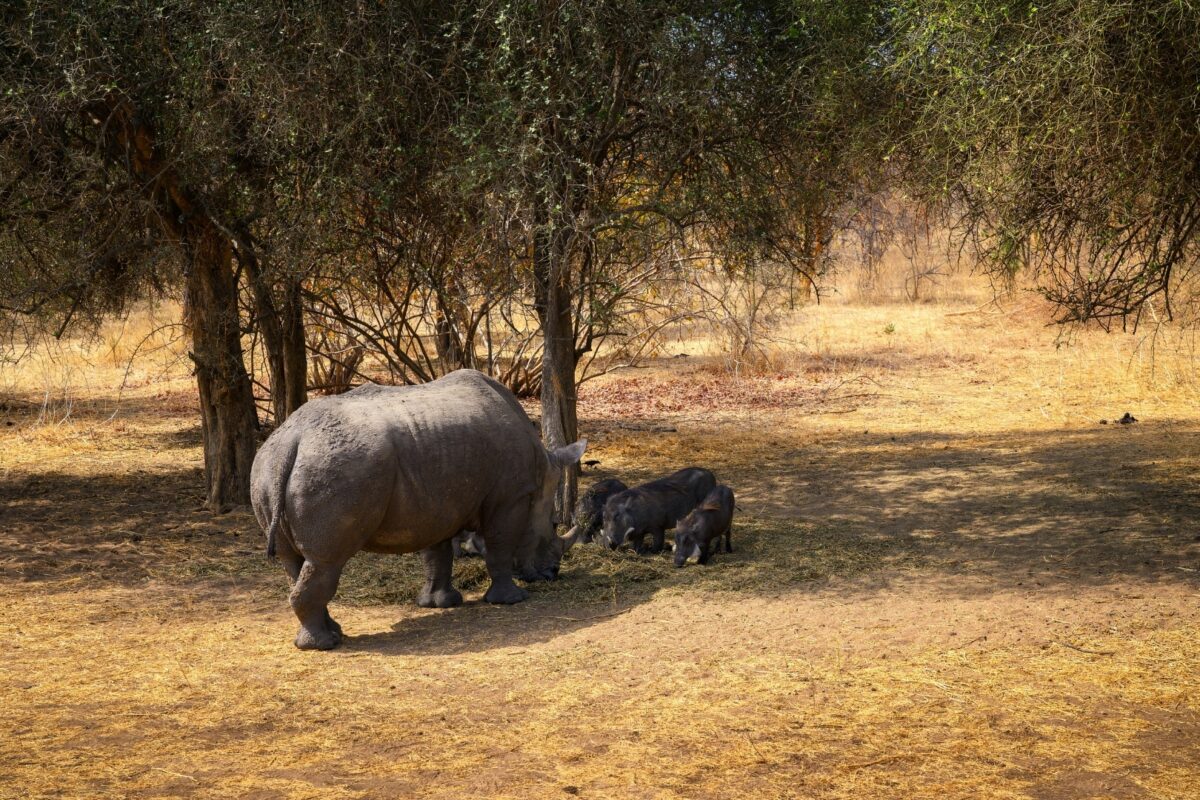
(468, 543)
(589, 511)
(653, 507)
(699, 533)
(401, 469)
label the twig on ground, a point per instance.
(1089, 652)
(176, 774)
(761, 758)
(979, 638)
(882, 760)
(594, 616)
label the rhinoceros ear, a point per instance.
(565, 456)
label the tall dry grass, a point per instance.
(868, 322)
(865, 322)
(51, 382)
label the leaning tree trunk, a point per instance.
(560, 425)
(227, 413)
(228, 418)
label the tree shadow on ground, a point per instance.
(1065, 507)
(1058, 510)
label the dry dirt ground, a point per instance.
(950, 581)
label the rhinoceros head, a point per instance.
(548, 548)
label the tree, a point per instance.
(1063, 136)
(190, 147)
(609, 124)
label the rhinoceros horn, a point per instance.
(571, 537)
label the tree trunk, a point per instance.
(295, 347)
(446, 338)
(227, 413)
(228, 418)
(282, 328)
(269, 325)
(553, 301)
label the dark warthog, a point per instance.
(589, 511)
(468, 543)
(400, 469)
(699, 533)
(653, 507)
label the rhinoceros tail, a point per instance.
(278, 496)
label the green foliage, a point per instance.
(260, 113)
(1064, 134)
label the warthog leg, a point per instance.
(658, 540)
(313, 590)
(439, 566)
(638, 542)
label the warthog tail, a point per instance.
(278, 497)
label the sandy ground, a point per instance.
(950, 580)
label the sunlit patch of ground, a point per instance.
(949, 580)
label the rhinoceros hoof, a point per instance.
(533, 576)
(506, 595)
(443, 598)
(318, 640)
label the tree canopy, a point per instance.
(503, 185)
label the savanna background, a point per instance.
(892, 271)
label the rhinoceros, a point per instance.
(653, 507)
(401, 469)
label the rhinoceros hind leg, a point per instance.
(310, 600)
(439, 567)
(291, 560)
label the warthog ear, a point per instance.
(565, 456)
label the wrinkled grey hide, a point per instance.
(403, 469)
(698, 535)
(468, 543)
(654, 507)
(589, 510)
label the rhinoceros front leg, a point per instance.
(501, 538)
(311, 593)
(439, 567)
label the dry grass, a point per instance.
(949, 581)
